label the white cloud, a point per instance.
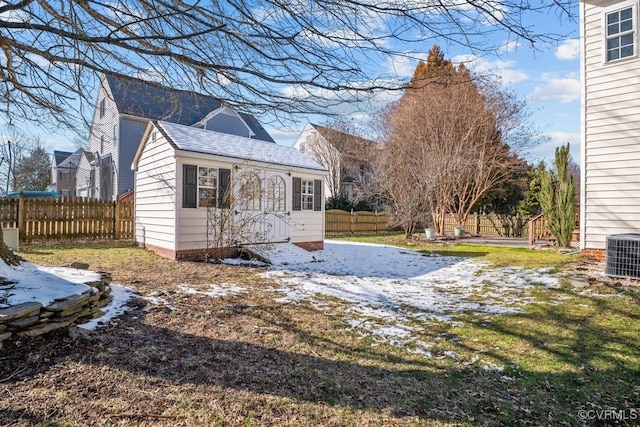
(504, 69)
(403, 66)
(560, 89)
(546, 150)
(568, 50)
(509, 46)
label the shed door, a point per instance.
(276, 225)
(261, 215)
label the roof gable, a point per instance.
(345, 143)
(60, 156)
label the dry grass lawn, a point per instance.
(249, 360)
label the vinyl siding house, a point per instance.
(122, 112)
(346, 157)
(205, 192)
(58, 178)
(610, 164)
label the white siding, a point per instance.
(611, 133)
(102, 128)
(192, 222)
(308, 225)
(155, 195)
(83, 177)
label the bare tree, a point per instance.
(257, 55)
(454, 138)
(16, 146)
(32, 171)
(323, 151)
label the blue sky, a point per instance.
(547, 77)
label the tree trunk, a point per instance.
(7, 255)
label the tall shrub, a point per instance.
(557, 197)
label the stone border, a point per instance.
(31, 319)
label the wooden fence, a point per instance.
(490, 225)
(342, 222)
(58, 218)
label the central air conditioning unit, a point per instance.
(623, 255)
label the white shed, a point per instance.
(203, 192)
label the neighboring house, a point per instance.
(57, 158)
(346, 157)
(199, 191)
(85, 175)
(610, 71)
(64, 174)
(123, 110)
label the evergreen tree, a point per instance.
(557, 197)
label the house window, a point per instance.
(64, 176)
(103, 107)
(620, 34)
(307, 195)
(207, 186)
(250, 192)
(276, 194)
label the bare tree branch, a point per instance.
(258, 56)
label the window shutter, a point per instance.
(189, 186)
(317, 195)
(224, 178)
(297, 194)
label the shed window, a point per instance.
(620, 33)
(307, 194)
(207, 186)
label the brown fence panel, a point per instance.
(339, 221)
(52, 219)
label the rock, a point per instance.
(23, 322)
(68, 303)
(79, 265)
(5, 336)
(18, 311)
(43, 328)
(101, 285)
(3, 327)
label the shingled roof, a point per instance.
(196, 140)
(345, 143)
(145, 100)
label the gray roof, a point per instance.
(142, 99)
(71, 162)
(222, 144)
(59, 156)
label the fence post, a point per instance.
(21, 225)
(477, 223)
(351, 221)
(376, 221)
(116, 218)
